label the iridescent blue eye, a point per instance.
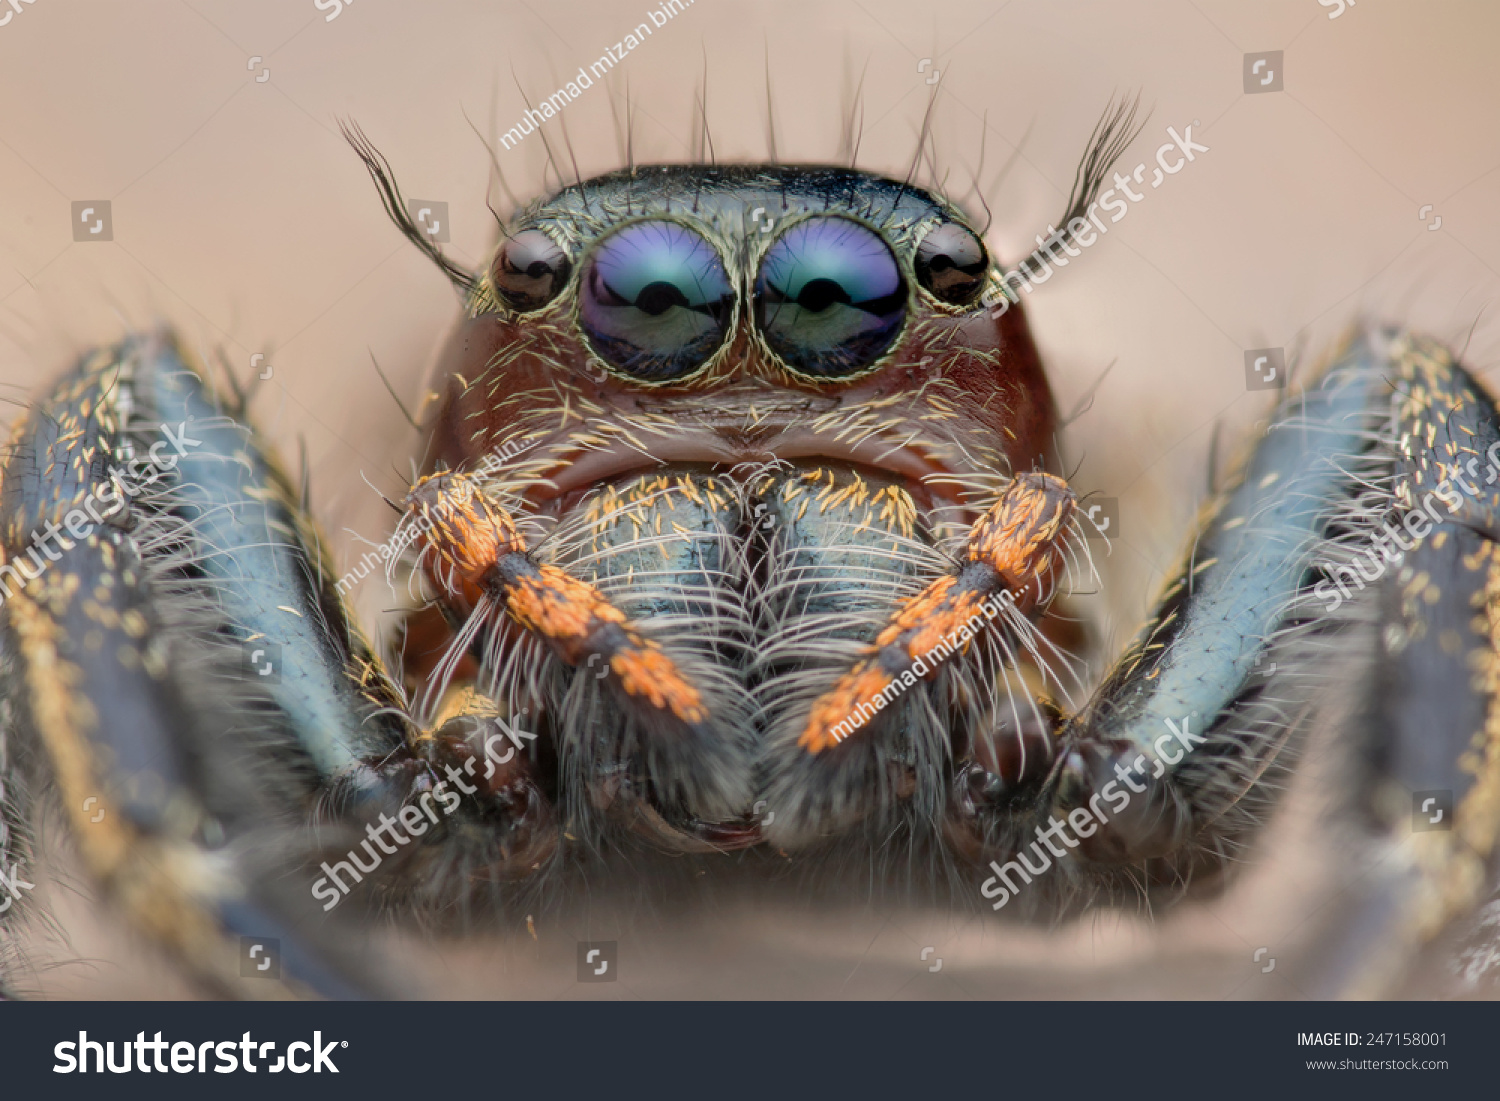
(830, 297)
(655, 300)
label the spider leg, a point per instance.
(185, 692)
(128, 716)
(1429, 772)
(1356, 548)
(1173, 737)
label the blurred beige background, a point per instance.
(240, 216)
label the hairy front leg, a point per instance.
(1353, 557)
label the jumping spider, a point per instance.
(747, 547)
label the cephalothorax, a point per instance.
(738, 541)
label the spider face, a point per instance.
(756, 410)
(771, 313)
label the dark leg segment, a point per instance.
(1168, 772)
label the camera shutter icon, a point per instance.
(93, 220)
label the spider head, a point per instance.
(743, 315)
(754, 411)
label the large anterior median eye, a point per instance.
(655, 300)
(830, 297)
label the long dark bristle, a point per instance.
(395, 206)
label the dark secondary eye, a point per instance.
(830, 297)
(655, 300)
(951, 264)
(530, 270)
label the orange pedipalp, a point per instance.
(476, 547)
(1013, 554)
